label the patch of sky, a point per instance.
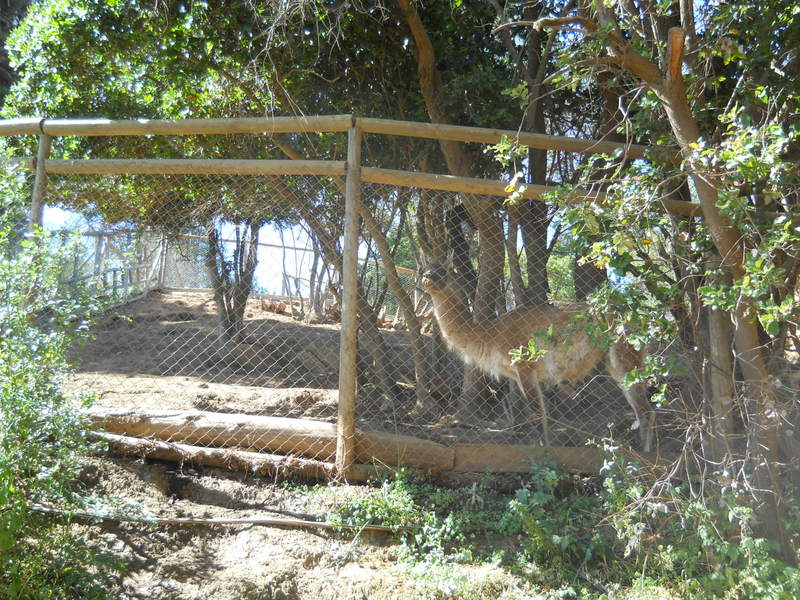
(285, 256)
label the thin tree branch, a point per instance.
(620, 52)
(508, 42)
(551, 23)
(268, 521)
(600, 60)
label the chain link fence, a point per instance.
(213, 326)
(228, 293)
(208, 317)
(472, 393)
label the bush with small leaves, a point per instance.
(41, 430)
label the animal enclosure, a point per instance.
(278, 309)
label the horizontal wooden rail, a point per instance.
(433, 181)
(93, 127)
(458, 133)
(165, 166)
(487, 187)
(447, 183)
(20, 126)
(332, 123)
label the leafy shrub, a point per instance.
(408, 507)
(560, 518)
(700, 548)
(546, 519)
(41, 430)
(573, 535)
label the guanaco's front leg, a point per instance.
(518, 376)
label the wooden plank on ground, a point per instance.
(303, 437)
(300, 437)
(234, 460)
(499, 458)
(403, 450)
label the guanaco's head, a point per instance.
(434, 279)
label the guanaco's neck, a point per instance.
(454, 318)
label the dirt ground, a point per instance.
(240, 562)
(158, 353)
(161, 352)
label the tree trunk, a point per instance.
(418, 348)
(384, 368)
(491, 252)
(533, 214)
(315, 280)
(669, 88)
(474, 396)
(232, 280)
(757, 378)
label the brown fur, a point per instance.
(570, 355)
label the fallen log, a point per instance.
(268, 521)
(225, 458)
(480, 458)
(299, 437)
(403, 450)
(303, 437)
(234, 460)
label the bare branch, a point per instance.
(688, 24)
(507, 41)
(600, 60)
(552, 23)
(619, 51)
(549, 47)
(608, 19)
(535, 86)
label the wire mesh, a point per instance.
(210, 314)
(226, 323)
(468, 332)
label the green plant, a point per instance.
(41, 428)
(545, 520)
(678, 538)
(393, 506)
(574, 535)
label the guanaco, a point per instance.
(488, 345)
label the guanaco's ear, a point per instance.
(432, 268)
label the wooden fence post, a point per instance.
(162, 267)
(40, 182)
(348, 349)
(37, 207)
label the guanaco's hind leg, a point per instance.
(622, 359)
(542, 403)
(636, 395)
